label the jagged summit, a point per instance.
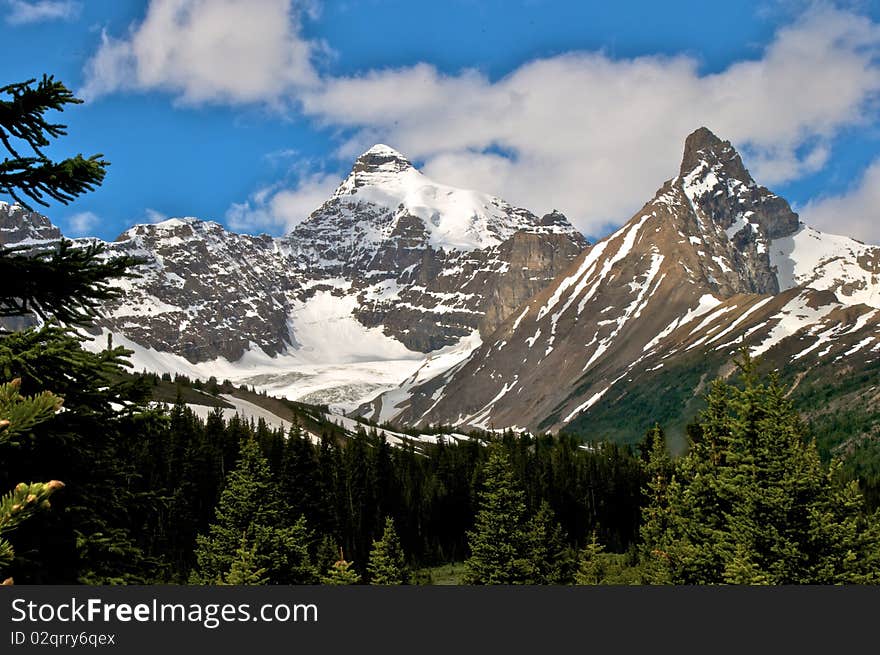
(182, 227)
(381, 159)
(386, 199)
(710, 241)
(725, 197)
(382, 150)
(380, 166)
(703, 149)
(699, 140)
(395, 264)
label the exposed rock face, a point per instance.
(699, 250)
(204, 292)
(446, 295)
(725, 198)
(18, 225)
(399, 265)
(429, 263)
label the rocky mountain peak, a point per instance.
(18, 224)
(381, 158)
(380, 166)
(705, 154)
(716, 181)
(701, 144)
(554, 218)
(729, 216)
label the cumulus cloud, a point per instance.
(36, 11)
(595, 136)
(582, 132)
(82, 224)
(236, 51)
(276, 210)
(855, 213)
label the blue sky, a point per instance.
(249, 112)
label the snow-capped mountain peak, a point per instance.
(385, 199)
(701, 263)
(380, 166)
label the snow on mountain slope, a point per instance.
(384, 186)
(847, 267)
(334, 359)
(690, 273)
(394, 272)
(441, 364)
(203, 292)
(244, 409)
(428, 262)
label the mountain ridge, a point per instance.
(702, 245)
(369, 260)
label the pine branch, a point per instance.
(22, 116)
(18, 414)
(68, 283)
(35, 176)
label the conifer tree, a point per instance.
(342, 572)
(656, 516)
(751, 503)
(498, 543)
(327, 553)
(591, 569)
(29, 173)
(250, 508)
(244, 570)
(550, 558)
(66, 284)
(18, 415)
(387, 564)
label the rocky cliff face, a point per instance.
(429, 263)
(203, 292)
(724, 198)
(20, 226)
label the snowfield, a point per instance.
(335, 360)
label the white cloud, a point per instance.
(36, 11)
(235, 51)
(154, 215)
(582, 132)
(595, 136)
(855, 213)
(277, 210)
(82, 224)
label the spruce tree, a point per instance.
(244, 570)
(498, 543)
(551, 561)
(24, 131)
(250, 508)
(656, 518)
(342, 572)
(18, 414)
(591, 568)
(387, 565)
(751, 502)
